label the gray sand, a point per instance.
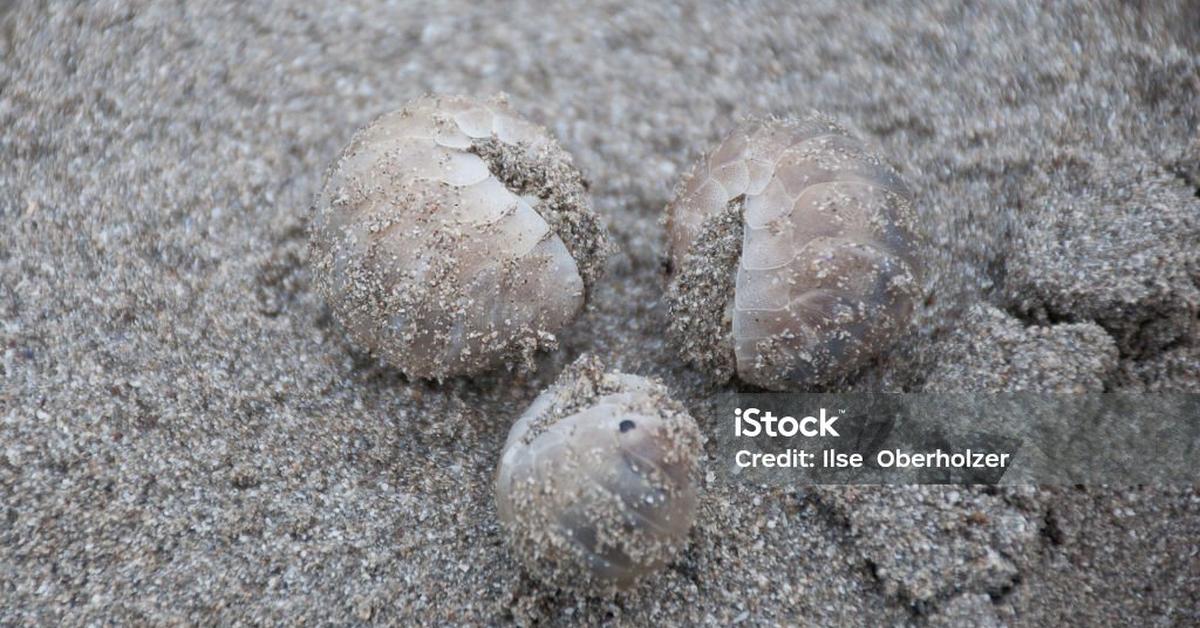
(185, 434)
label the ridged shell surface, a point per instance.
(597, 483)
(793, 259)
(453, 234)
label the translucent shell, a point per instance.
(431, 257)
(826, 277)
(597, 482)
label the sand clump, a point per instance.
(1063, 358)
(701, 296)
(1108, 249)
(548, 174)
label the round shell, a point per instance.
(792, 254)
(452, 235)
(597, 482)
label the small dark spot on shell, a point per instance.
(626, 425)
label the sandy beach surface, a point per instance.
(186, 436)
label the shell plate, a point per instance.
(823, 234)
(453, 234)
(597, 482)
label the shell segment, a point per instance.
(826, 274)
(597, 482)
(431, 253)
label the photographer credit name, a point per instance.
(754, 423)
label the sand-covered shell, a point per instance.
(793, 256)
(597, 484)
(452, 235)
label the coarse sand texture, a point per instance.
(192, 431)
